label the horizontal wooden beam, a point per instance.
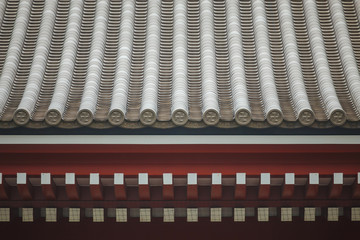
(180, 159)
(178, 204)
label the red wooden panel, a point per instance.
(312, 191)
(335, 191)
(72, 191)
(288, 191)
(25, 191)
(264, 191)
(180, 159)
(168, 192)
(216, 192)
(96, 192)
(120, 192)
(49, 191)
(192, 192)
(240, 191)
(144, 192)
(4, 191)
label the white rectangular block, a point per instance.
(98, 215)
(192, 178)
(240, 178)
(338, 178)
(118, 178)
(143, 178)
(192, 214)
(215, 214)
(289, 178)
(333, 214)
(45, 178)
(21, 178)
(265, 178)
(169, 215)
(94, 179)
(27, 215)
(145, 215)
(0, 178)
(216, 179)
(4, 214)
(167, 179)
(121, 215)
(74, 214)
(309, 214)
(69, 178)
(313, 178)
(286, 214)
(358, 178)
(239, 214)
(50, 214)
(263, 214)
(355, 214)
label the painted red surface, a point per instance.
(179, 159)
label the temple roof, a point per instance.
(174, 63)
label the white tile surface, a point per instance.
(94, 179)
(118, 178)
(69, 178)
(50, 214)
(289, 178)
(143, 179)
(45, 178)
(145, 215)
(4, 214)
(338, 178)
(27, 214)
(98, 215)
(333, 214)
(169, 215)
(216, 178)
(21, 178)
(286, 214)
(355, 214)
(74, 214)
(309, 214)
(192, 215)
(121, 215)
(263, 214)
(192, 178)
(314, 178)
(265, 178)
(215, 215)
(167, 179)
(240, 178)
(239, 214)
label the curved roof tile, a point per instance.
(166, 63)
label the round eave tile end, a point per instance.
(116, 117)
(179, 117)
(306, 117)
(211, 117)
(21, 117)
(53, 117)
(148, 117)
(85, 117)
(338, 117)
(274, 117)
(243, 117)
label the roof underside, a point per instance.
(179, 63)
